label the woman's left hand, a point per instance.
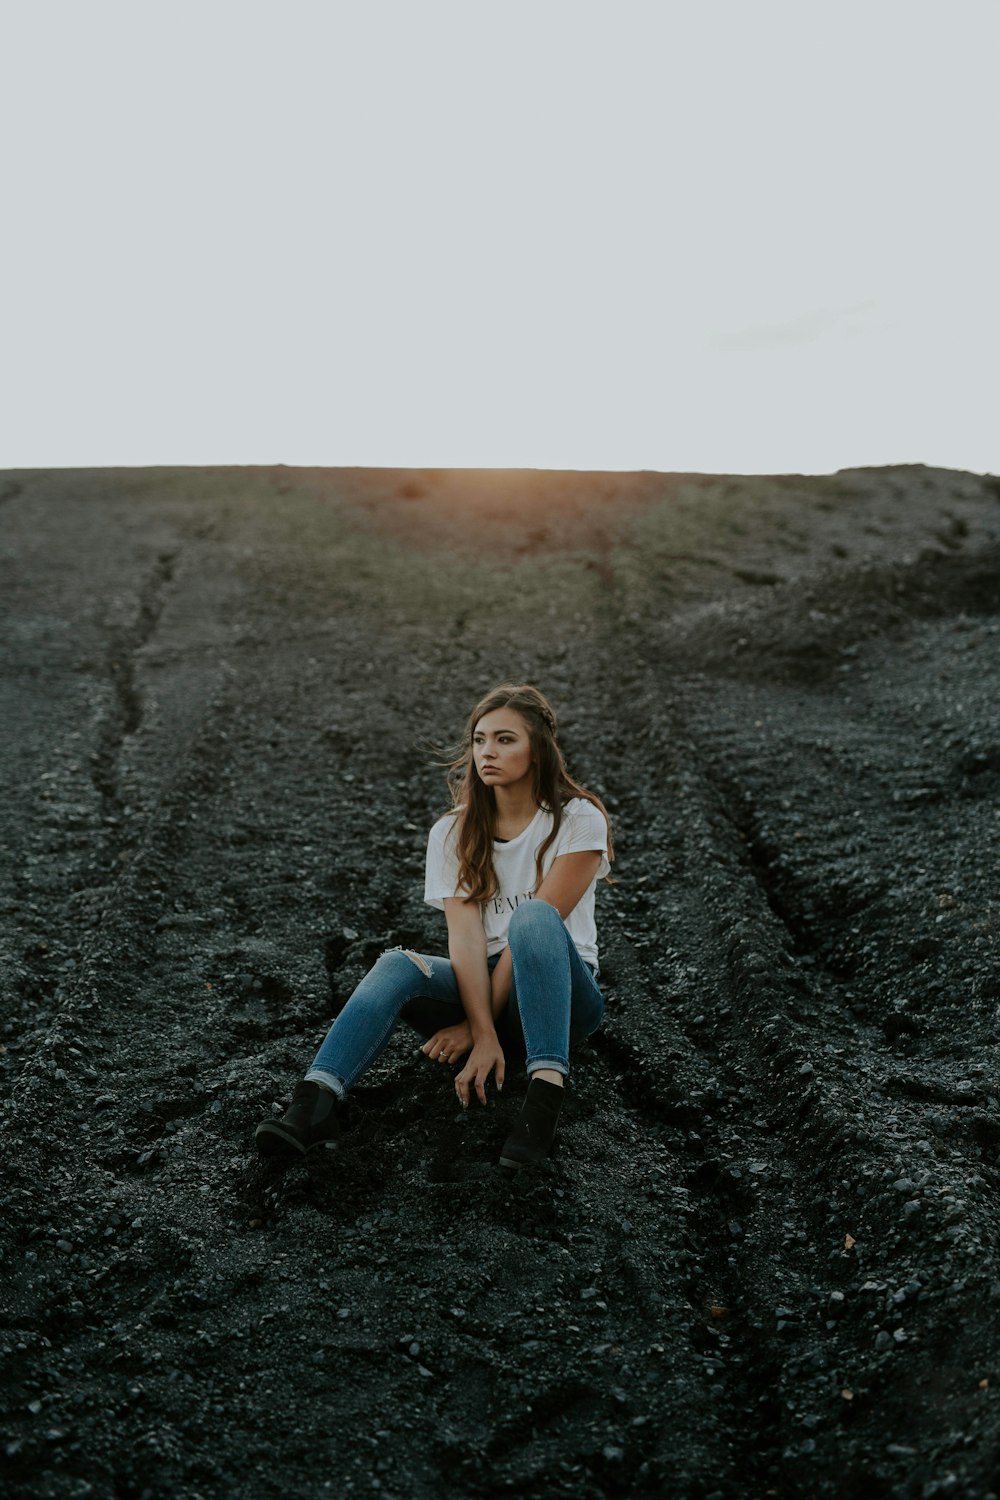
(486, 1058)
(449, 1044)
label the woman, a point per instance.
(514, 867)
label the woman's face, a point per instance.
(501, 748)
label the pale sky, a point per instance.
(725, 236)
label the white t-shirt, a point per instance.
(583, 827)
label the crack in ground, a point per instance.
(124, 716)
(122, 938)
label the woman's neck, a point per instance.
(515, 810)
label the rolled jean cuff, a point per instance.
(557, 1064)
(319, 1075)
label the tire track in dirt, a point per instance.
(65, 837)
(785, 1016)
(686, 1096)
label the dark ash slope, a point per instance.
(764, 1262)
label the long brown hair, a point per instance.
(474, 803)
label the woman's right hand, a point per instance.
(449, 1044)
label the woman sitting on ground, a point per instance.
(514, 867)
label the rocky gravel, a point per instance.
(764, 1259)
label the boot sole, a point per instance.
(272, 1140)
(516, 1165)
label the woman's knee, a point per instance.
(399, 965)
(534, 916)
(392, 980)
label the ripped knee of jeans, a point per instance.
(415, 958)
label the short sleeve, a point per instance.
(584, 827)
(441, 869)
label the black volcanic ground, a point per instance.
(764, 1262)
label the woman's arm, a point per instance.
(567, 881)
(467, 951)
(564, 885)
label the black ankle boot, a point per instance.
(531, 1139)
(314, 1118)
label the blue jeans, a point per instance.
(554, 1001)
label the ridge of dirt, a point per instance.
(763, 1260)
